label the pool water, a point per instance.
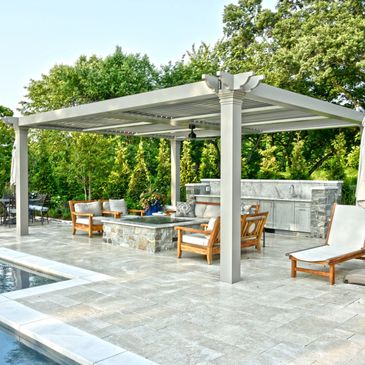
(13, 352)
(12, 278)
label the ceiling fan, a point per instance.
(192, 135)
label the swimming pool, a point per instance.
(12, 352)
(14, 278)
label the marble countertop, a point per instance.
(294, 199)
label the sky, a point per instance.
(36, 35)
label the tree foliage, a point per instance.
(163, 172)
(140, 178)
(6, 146)
(209, 166)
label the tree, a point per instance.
(6, 147)
(191, 67)
(90, 79)
(209, 166)
(117, 184)
(269, 167)
(140, 178)
(298, 167)
(90, 164)
(337, 163)
(163, 174)
(314, 47)
(187, 167)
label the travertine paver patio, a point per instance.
(177, 312)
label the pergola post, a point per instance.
(360, 186)
(175, 171)
(230, 257)
(21, 161)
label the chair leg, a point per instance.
(332, 274)
(209, 257)
(179, 251)
(90, 232)
(293, 268)
(258, 245)
(73, 230)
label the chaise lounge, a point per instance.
(345, 241)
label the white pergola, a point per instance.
(226, 106)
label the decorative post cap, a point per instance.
(245, 81)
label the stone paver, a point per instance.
(175, 311)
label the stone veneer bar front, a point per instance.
(145, 236)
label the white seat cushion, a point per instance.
(85, 220)
(118, 205)
(196, 239)
(93, 208)
(38, 208)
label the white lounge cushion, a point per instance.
(196, 239)
(85, 220)
(347, 235)
(93, 208)
(348, 227)
(211, 224)
(118, 205)
(212, 211)
(318, 254)
(199, 210)
(106, 205)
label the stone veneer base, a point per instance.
(143, 237)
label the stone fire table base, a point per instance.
(143, 234)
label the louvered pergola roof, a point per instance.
(167, 113)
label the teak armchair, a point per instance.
(345, 241)
(252, 227)
(205, 242)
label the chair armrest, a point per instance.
(82, 214)
(111, 212)
(192, 230)
(138, 211)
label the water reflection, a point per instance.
(12, 278)
(13, 352)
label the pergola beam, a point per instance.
(173, 95)
(288, 99)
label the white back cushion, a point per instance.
(93, 208)
(348, 227)
(106, 205)
(211, 224)
(199, 210)
(118, 205)
(212, 211)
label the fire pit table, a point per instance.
(152, 233)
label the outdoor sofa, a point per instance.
(87, 215)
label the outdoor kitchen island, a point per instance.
(149, 233)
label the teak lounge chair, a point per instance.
(252, 226)
(345, 241)
(206, 242)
